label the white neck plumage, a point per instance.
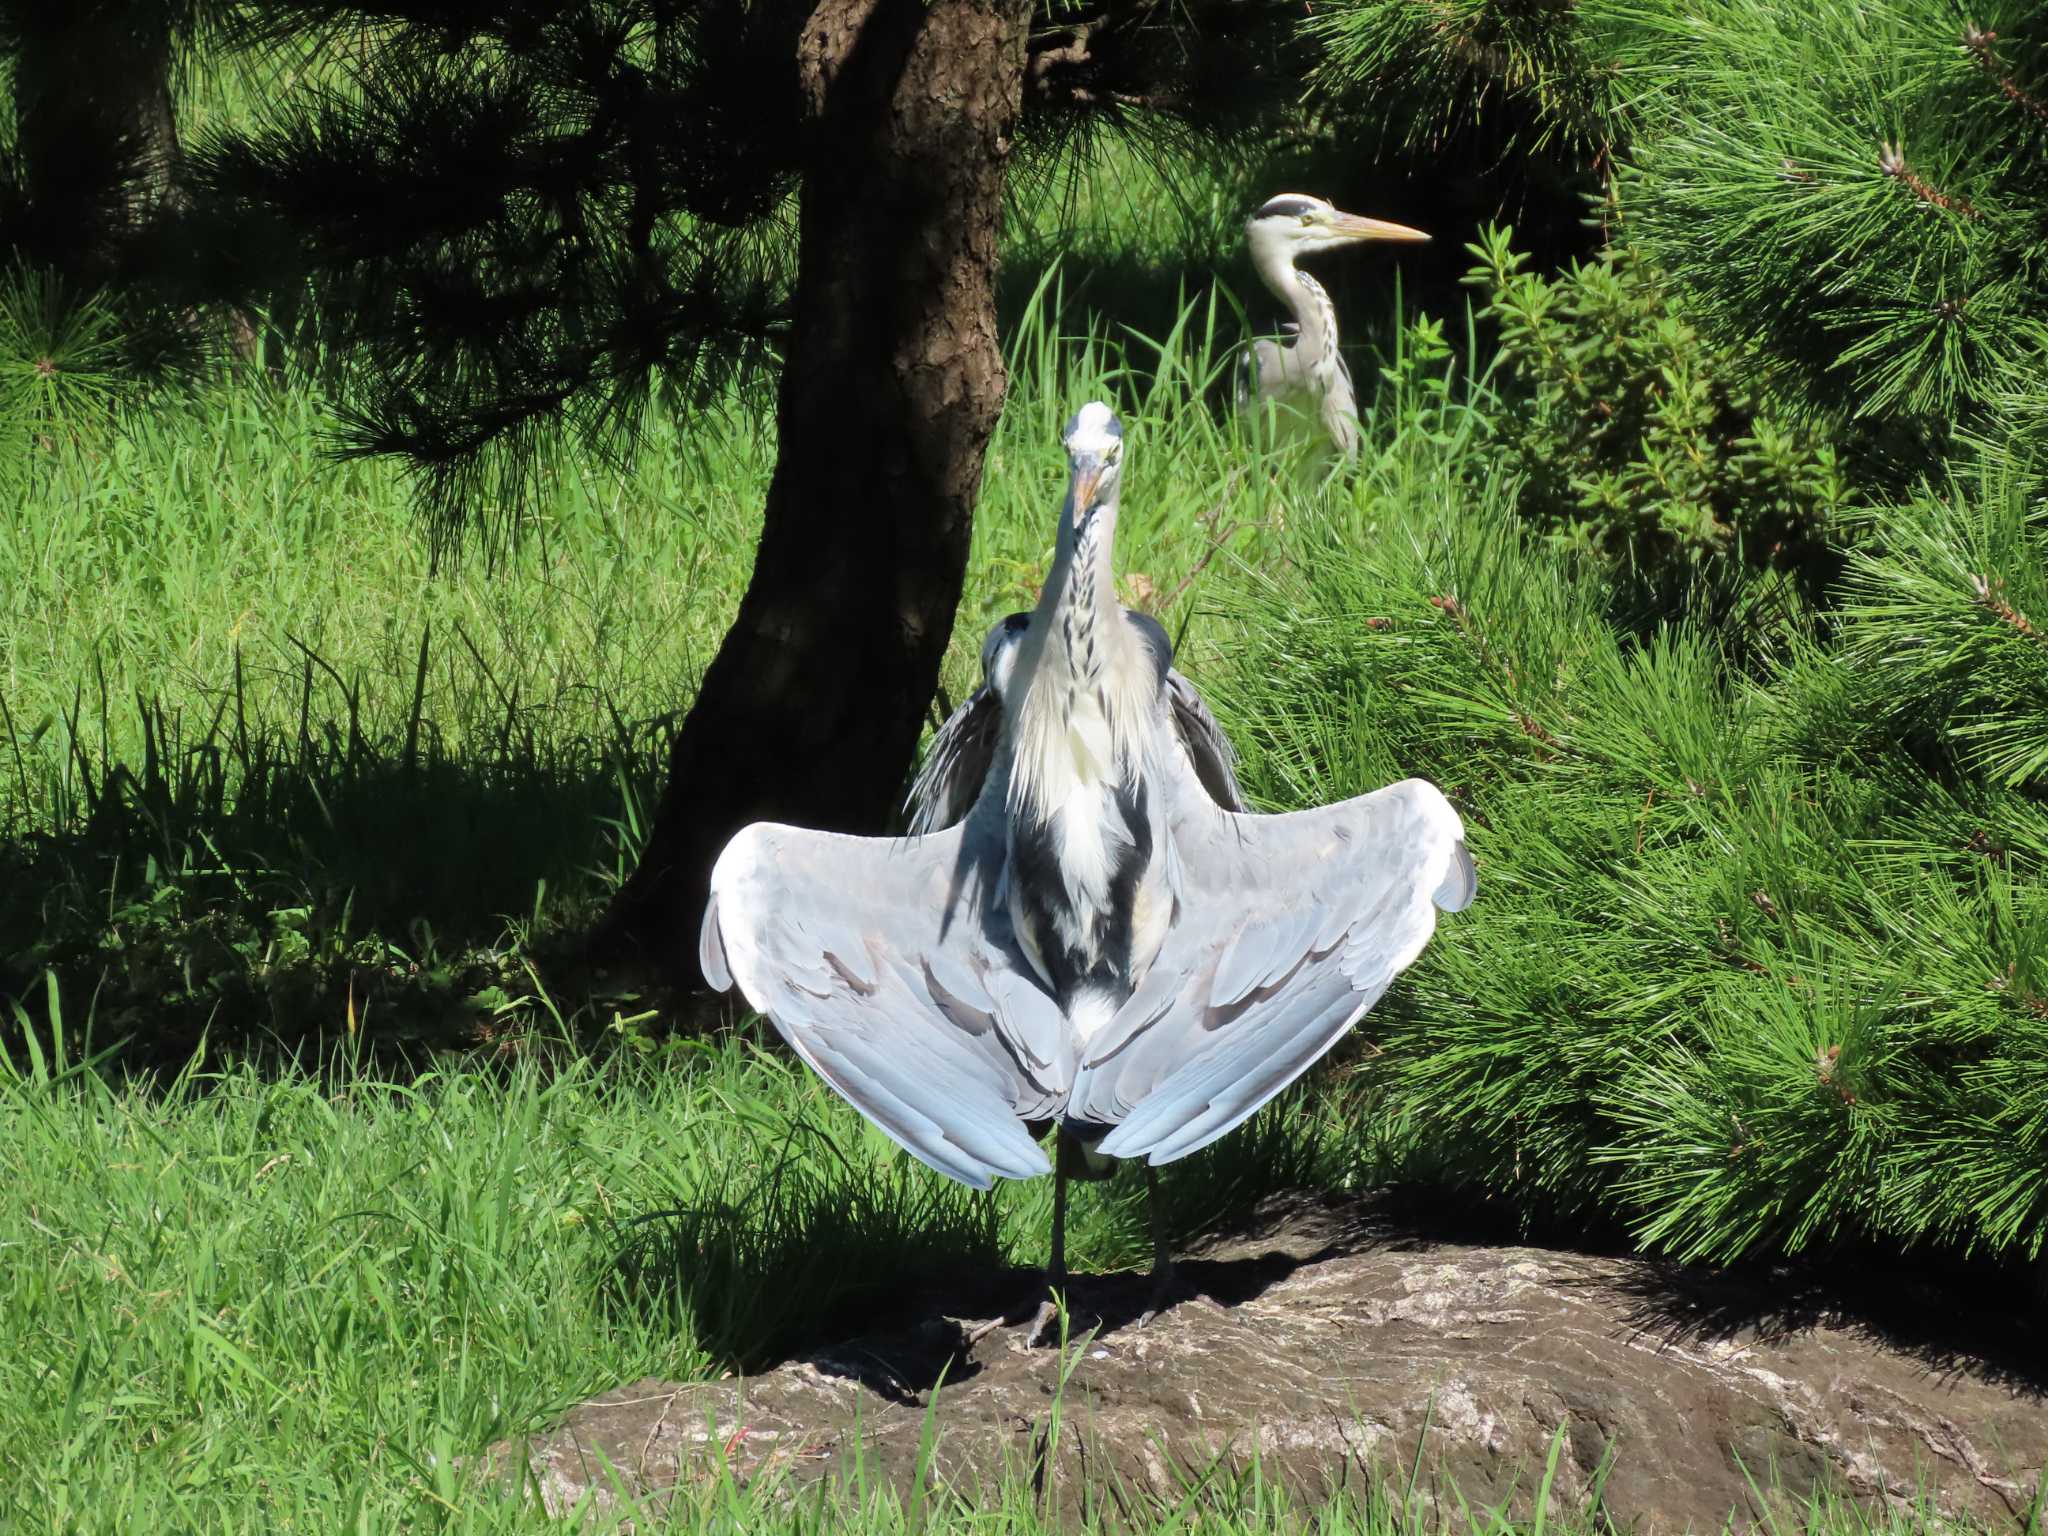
(1306, 301)
(1077, 723)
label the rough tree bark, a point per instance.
(890, 390)
(94, 127)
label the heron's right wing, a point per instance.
(950, 781)
(957, 766)
(889, 966)
(1288, 929)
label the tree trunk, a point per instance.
(891, 388)
(94, 127)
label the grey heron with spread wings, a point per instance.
(1084, 928)
(1303, 370)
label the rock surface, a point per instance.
(1329, 1342)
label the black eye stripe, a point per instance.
(1288, 207)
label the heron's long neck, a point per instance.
(1305, 300)
(1080, 609)
(1080, 717)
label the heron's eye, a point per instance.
(1307, 219)
(1116, 451)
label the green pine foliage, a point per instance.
(1858, 192)
(60, 358)
(1757, 964)
(1851, 196)
(1635, 437)
(1947, 606)
(1428, 68)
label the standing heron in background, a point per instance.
(1102, 940)
(1304, 370)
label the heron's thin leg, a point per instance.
(1047, 1320)
(1056, 1268)
(1162, 1251)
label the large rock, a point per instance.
(1328, 1343)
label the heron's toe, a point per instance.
(1166, 1290)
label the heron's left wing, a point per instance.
(888, 964)
(1209, 751)
(1288, 929)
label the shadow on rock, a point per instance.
(1954, 1326)
(929, 1339)
(1323, 1337)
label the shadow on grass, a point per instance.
(267, 896)
(878, 1271)
(813, 1248)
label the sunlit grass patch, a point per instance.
(248, 1298)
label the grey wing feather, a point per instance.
(957, 766)
(1209, 750)
(889, 966)
(1291, 928)
(950, 781)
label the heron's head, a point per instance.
(1095, 458)
(1293, 225)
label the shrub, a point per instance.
(1634, 436)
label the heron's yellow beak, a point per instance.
(1086, 478)
(1355, 227)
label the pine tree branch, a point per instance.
(1981, 46)
(1891, 159)
(1991, 596)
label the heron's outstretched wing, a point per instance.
(889, 966)
(1209, 751)
(950, 781)
(1289, 929)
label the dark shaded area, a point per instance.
(1954, 1317)
(906, 1353)
(1480, 176)
(275, 896)
(95, 135)
(797, 1259)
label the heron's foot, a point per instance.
(1166, 1290)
